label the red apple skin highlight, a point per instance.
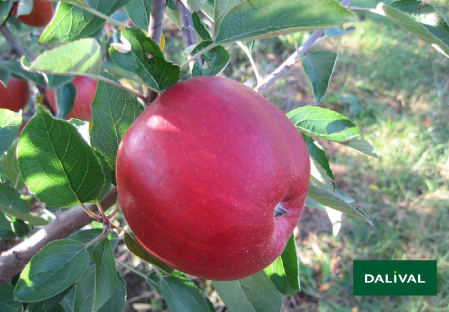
(40, 16)
(85, 93)
(15, 95)
(200, 172)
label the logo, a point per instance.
(395, 278)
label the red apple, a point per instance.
(201, 172)
(40, 16)
(85, 92)
(15, 96)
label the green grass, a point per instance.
(396, 89)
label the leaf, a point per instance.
(338, 31)
(221, 8)
(142, 56)
(329, 125)
(105, 273)
(53, 269)
(255, 293)
(214, 60)
(7, 302)
(138, 11)
(421, 20)
(331, 200)
(9, 126)
(58, 166)
(13, 204)
(317, 155)
(258, 19)
(5, 8)
(68, 301)
(49, 303)
(118, 299)
(5, 228)
(113, 112)
(5, 75)
(22, 71)
(86, 236)
(199, 27)
(154, 281)
(20, 228)
(85, 291)
(78, 57)
(65, 98)
(182, 295)
(10, 167)
(55, 81)
(319, 67)
(284, 271)
(137, 249)
(73, 22)
(193, 5)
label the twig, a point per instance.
(154, 32)
(14, 260)
(186, 23)
(293, 59)
(251, 60)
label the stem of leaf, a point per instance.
(193, 57)
(131, 269)
(251, 60)
(90, 213)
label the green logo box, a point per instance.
(395, 278)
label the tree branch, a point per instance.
(154, 32)
(14, 260)
(293, 59)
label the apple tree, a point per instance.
(97, 68)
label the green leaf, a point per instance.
(49, 303)
(22, 71)
(113, 112)
(214, 60)
(154, 280)
(7, 302)
(142, 56)
(9, 166)
(314, 204)
(194, 5)
(5, 75)
(118, 299)
(284, 271)
(319, 67)
(107, 175)
(85, 291)
(423, 21)
(73, 22)
(105, 273)
(55, 81)
(5, 228)
(200, 28)
(9, 127)
(338, 31)
(258, 19)
(13, 204)
(78, 57)
(24, 7)
(331, 200)
(86, 236)
(329, 125)
(65, 98)
(255, 293)
(20, 228)
(53, 269)
(317, 155)
(137, 249)
(182, 295)
(138, 11)
(221, 8)
(5, 8)
(58, 166)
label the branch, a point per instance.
(17, 49)
(14, 260)
(154, 32)
(293, 59)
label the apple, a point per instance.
(40, 16)
(85, 93)
(212, 178)
(15, 95)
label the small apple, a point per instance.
(85, 92)
(40, 16)
(15, 96)
(212, 178)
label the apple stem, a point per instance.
(279, 211)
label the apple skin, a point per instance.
(40, 16)
(200, 172)
(15, 96)
(85, 93)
